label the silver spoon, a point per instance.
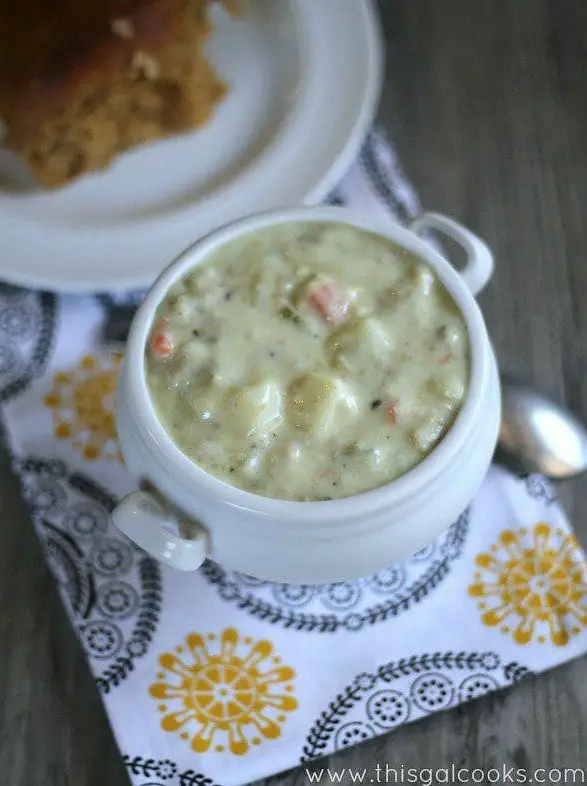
(536, 434)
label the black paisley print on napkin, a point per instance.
(27, 329)
(163, 772)
(113, 591)
(406, 690)
(349, 605)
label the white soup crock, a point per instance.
(185, 515)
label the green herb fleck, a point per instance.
(288, 313)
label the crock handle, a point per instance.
(147, 523)
(479, 264)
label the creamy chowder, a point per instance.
(308, 361)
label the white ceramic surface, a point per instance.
(307, 542)
(304, 79)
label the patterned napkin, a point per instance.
(217, 677)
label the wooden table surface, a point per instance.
(487, 103)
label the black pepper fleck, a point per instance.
(228, 295)
(376, 403)
(231, 470)
(196, 333)
(272, 354)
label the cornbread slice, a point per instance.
(83, 80)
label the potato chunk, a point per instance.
(358, 341)
(319, 403)
(255, 410)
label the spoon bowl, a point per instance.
(538, 435)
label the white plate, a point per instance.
(304, 79)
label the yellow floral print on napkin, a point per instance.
(536, 580)
(82, 405)
(229, 690)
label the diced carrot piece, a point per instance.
(327, 300)
(162, 342)
(391, 413)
